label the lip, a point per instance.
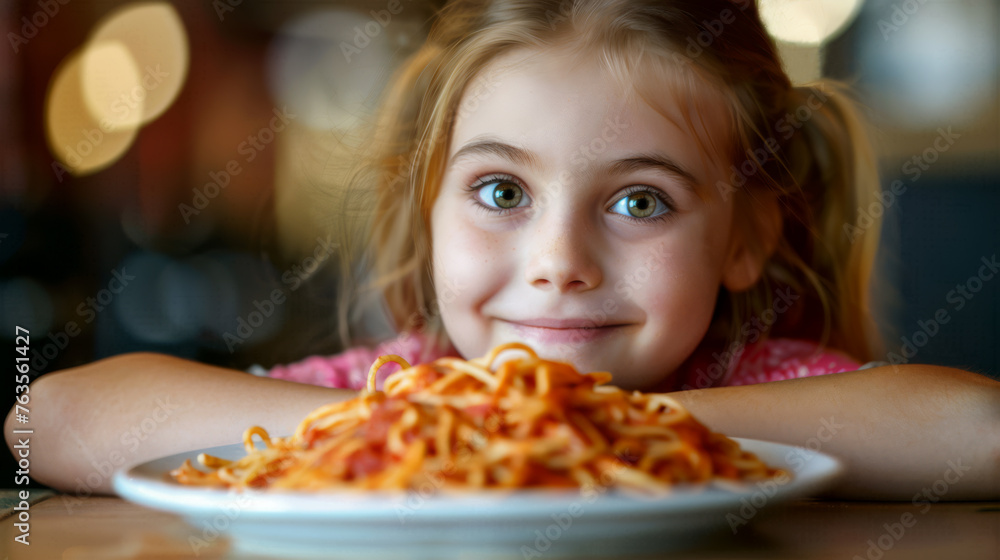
(563, 331)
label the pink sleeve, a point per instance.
(349, 369)
(783, 358)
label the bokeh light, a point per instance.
(75, 137)
(140, 308)
(938, 68)
(128, 73)
(807, 22)
(177, 300)
(107, 69)
(325, 85)
(24, 302)
(154, 35)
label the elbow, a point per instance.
(9, 425)
(69, 411)
(40, 453)
(29, 409)
(60, 408)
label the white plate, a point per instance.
(524, 524)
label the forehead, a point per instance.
(570, 107)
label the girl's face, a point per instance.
(588, 227)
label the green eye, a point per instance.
(640, 204)
(501, 194)
(507, 195)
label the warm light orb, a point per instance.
(81, 143)
(154, 36)
(127, 74)
(807, 22)
(108, 70)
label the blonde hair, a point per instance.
(819, 174)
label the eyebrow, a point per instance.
(490, 146)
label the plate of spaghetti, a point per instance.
(486, 456)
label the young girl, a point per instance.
(629, 186)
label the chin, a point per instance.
(588, 359)
(625, 374)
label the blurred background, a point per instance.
(164, 166)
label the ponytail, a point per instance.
(824, 173)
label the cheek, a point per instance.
(685, 276)
(468, 269)
(683, 290)
(465, 258)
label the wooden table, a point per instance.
(109, 528)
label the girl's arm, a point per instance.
(915, 432)
(909, 432)
(91, 420)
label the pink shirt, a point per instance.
(349, 369)
(771, 360)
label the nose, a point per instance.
(562, 256)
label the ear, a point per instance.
(752, 242)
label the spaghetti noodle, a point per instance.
(528, 423)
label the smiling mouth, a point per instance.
(563, 331)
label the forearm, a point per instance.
(136, 407)
(899, 429)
